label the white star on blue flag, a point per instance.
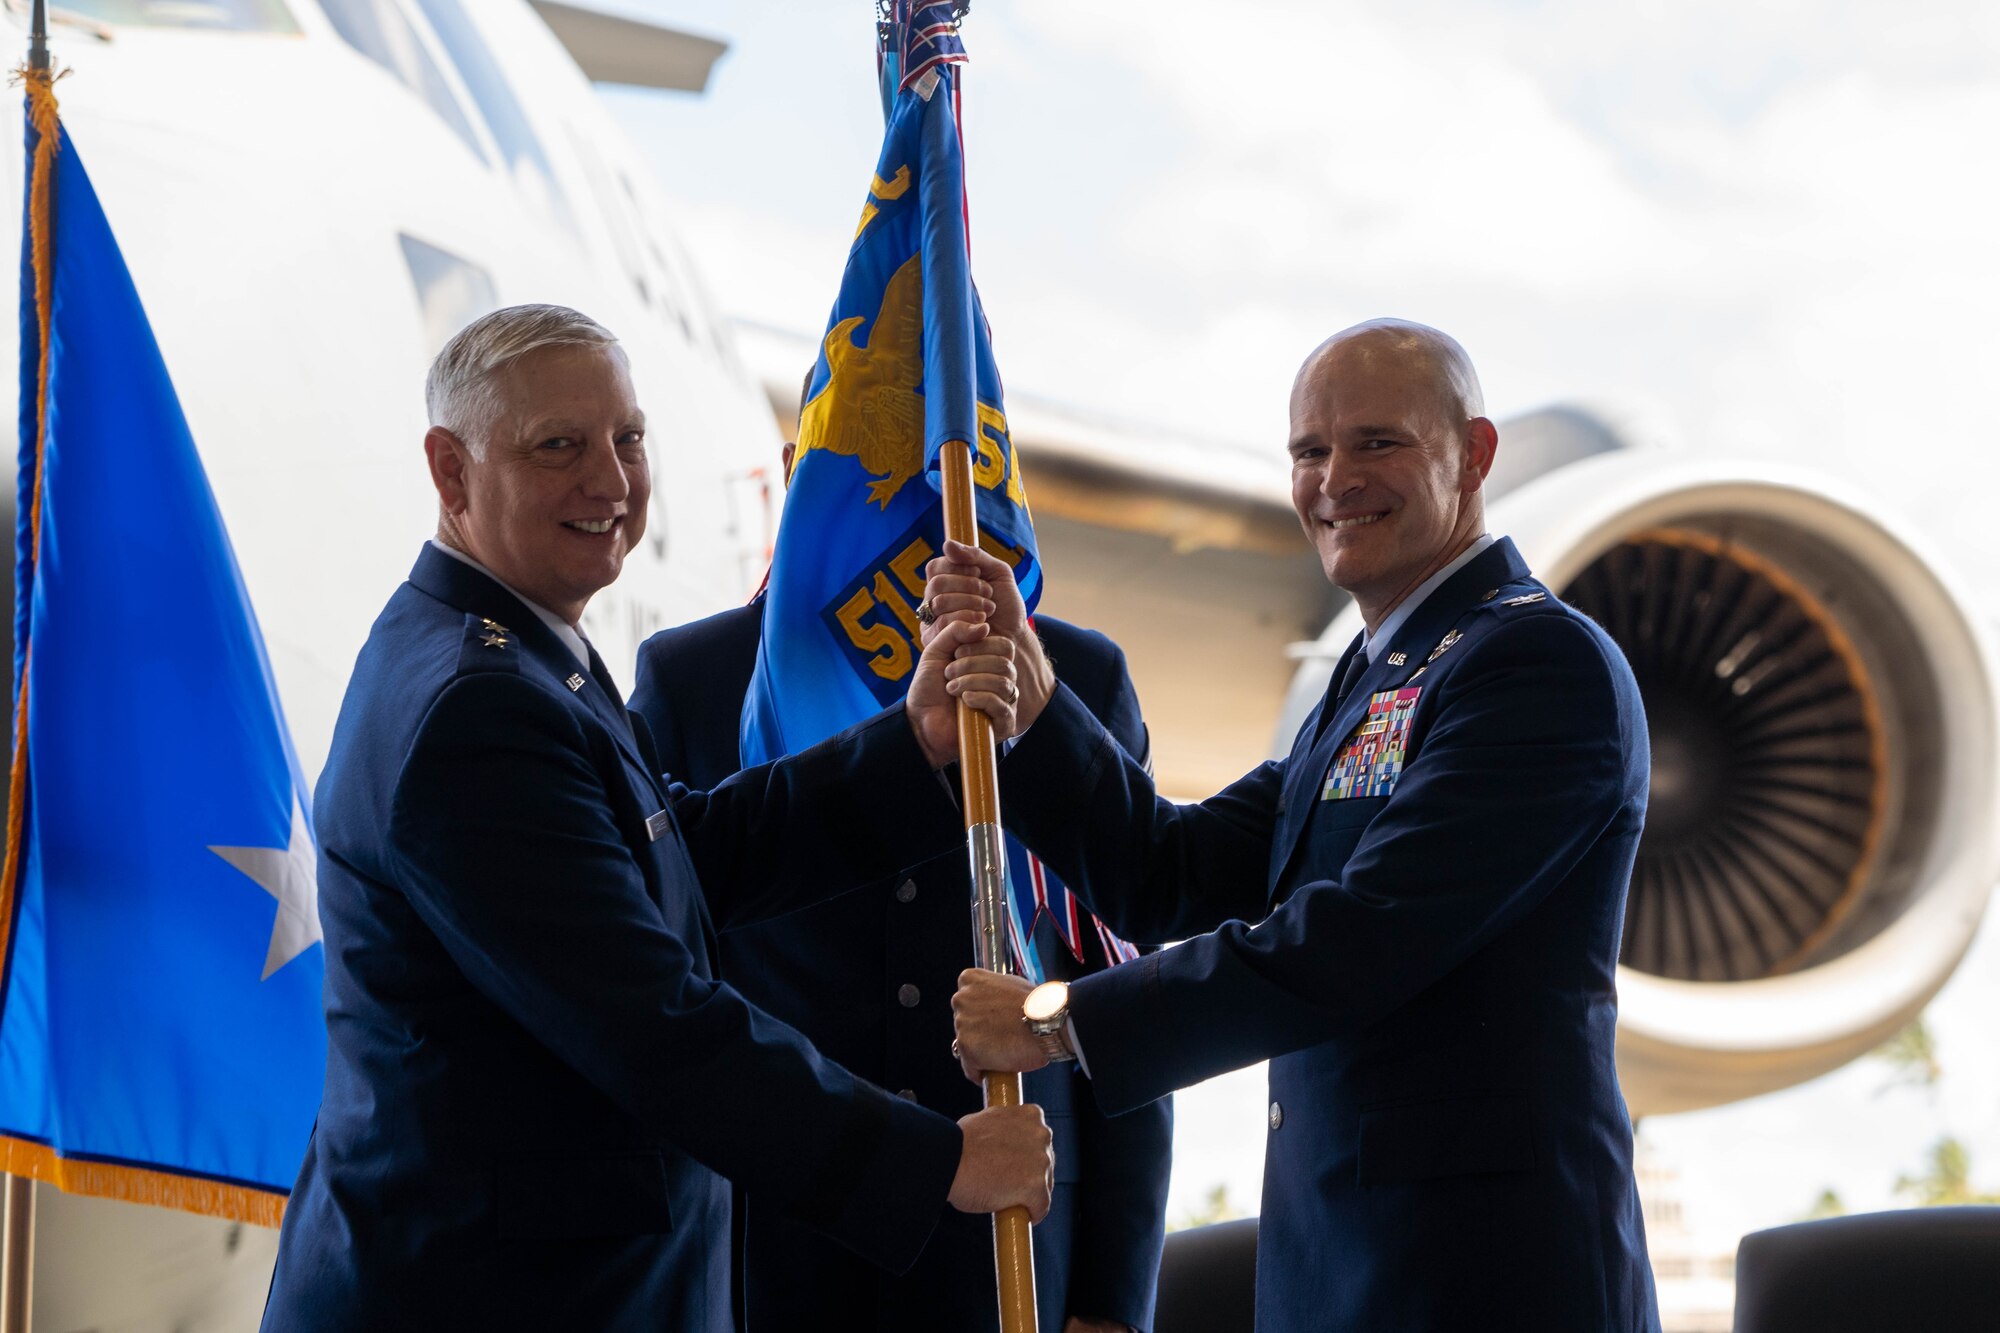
(290, 874)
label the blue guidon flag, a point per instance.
(906, 366)
(161, 1037)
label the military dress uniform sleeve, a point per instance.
(1069, 787)
(502, 837)
(856, 808)
(1520, 775)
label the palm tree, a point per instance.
(1949, 1179)
(1913, 1053)
(1214, 1208)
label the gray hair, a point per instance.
(1453, 366)
(459, 391)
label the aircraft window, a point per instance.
(665, 296)
(220, 15)
(617, 221)
(504, 114)
(378, 30)
(451, 292)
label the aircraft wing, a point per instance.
(612, 48)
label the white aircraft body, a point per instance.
(312, 195)
(312, 200)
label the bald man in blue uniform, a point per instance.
(1414, 916)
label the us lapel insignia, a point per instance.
(1398, 659)
(1446, 642)
(657, 825)
(1525, 599)
(1370, 763)
(575, 682)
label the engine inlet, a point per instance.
(1769, 773)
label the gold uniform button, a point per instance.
(1277, 1115)
(908, 995)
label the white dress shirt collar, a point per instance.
(572, 637)
(1379, 640)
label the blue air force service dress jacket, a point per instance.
(535, 1083)
(869, 977)
(1415, 916)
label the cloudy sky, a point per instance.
(1760, 230)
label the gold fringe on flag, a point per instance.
(134, 1184)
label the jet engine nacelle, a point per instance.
(1821, 839)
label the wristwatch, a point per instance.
(1046, 1012)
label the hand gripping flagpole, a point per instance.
(1013, 1251)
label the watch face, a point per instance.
(1045, 1001)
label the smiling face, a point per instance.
(1386, 468)
(557, 494)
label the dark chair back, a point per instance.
(1918, 1270)
(1208, 1280)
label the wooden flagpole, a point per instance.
(1013, 1252)
(18, 1276)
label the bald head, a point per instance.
(1390, 446)
(1427, 353)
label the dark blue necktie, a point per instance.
(602, 675)
(1355, 666)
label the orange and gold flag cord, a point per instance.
(19, 1157)
(40, 86)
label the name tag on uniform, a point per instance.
(657, 825)
(1372, 760)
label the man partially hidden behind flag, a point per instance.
(868, 976)
(160, 967)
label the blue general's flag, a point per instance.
(906, 366)
(160, 1028)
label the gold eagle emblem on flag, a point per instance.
(870, 409)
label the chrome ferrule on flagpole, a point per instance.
(988, 850)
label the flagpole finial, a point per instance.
(38, 36)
